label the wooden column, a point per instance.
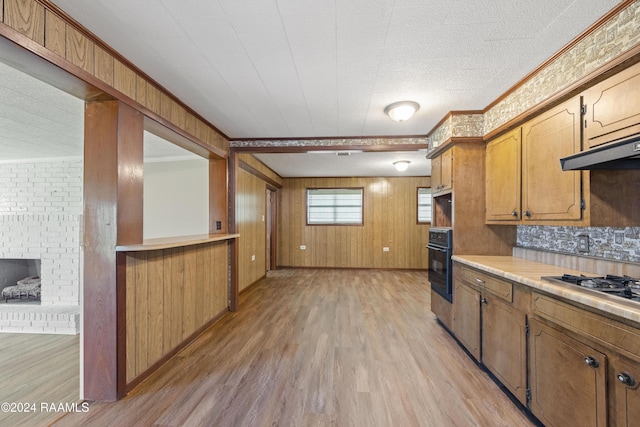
(218, 208)
(113, 183)
(233, 243)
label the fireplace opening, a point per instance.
(20, 281)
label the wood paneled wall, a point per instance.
(171, 294)
(390, 210)
(250, 210)
(48, 27)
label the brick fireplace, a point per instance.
(41, 218)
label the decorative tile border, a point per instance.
(610, 40)
(615, 37)
(261, 143)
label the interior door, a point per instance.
(271, 218)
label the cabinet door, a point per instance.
(626, 391)
(504, 344)
(612, 108)
(568, 379)
(446, 170)
(436, 174)
(466, 317)
(502, 160)
(549, 193)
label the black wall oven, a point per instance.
(439, 273)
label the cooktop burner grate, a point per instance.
(621, 286)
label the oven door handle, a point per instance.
(435, 248)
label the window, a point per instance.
(334, 206)
(424, 204)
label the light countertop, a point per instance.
(175, 242)
(529, 273)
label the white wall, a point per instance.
(176, 198)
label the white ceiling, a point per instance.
(37, 121)
(304, 68)
(327, 68)
(338, 163)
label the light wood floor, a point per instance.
(319, 347)
(36, 368)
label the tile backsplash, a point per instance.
(610, 243)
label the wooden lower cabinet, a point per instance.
(568, 379)
(466, 317)
(624, 377)
(574, 366)
(490, 325)
(504, 344)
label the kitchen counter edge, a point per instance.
(530, 273)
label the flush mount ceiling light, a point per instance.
(401, 165)
(401, 111)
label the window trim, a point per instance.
(306, 204)
(418, 206)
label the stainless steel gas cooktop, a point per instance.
(620, 286)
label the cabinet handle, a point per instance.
(480, 281)
(591, 361)
(626, 379)
(484, 301)
(527, 214)
(515, 213)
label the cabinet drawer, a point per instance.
(623, 338)
(500, 288)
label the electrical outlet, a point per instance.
(583, 243)
(303, 248)
(253, 257)
(385, 249)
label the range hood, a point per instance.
(623, 154)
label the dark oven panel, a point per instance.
(440, 265)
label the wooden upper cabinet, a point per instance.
(436, 174)
(548, 192)
(446, 170)
(503, 172)
(442, 172)
(612, 108)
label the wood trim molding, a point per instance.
(255, 172)
(252, 285)
(455, 140)
(151, 369)
(121, 319)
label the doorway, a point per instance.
(271, 229)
